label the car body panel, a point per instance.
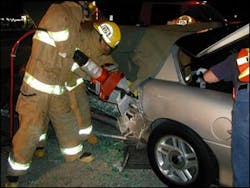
(192, 107)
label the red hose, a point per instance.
(12, 56)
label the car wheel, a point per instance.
(180, 158)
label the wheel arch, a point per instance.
(169, 122)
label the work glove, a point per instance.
(200, 71)
(133, 88)
(201, 81)
(71, 79)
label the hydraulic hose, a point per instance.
(12, 56)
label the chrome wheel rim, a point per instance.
(177, 160)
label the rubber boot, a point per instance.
(40, 152)
(11, 184)
(11, 181)
(92, 139)
(86, 157)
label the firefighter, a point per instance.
(97, 35)
(75, 87)
(90, 14)
(44, 92)
(90, 11)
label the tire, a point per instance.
(180, 158)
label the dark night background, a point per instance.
(126, 10)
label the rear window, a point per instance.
(189, 63)
(202, 40)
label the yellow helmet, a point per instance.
(109, 31)
(185, 19)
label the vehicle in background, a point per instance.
(158, 12)
(145, 13)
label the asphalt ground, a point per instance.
(113, 165)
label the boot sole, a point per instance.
(87, 159)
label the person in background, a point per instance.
(235, 68)
(44, 95)
(99, 52)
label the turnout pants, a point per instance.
(35, 110)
